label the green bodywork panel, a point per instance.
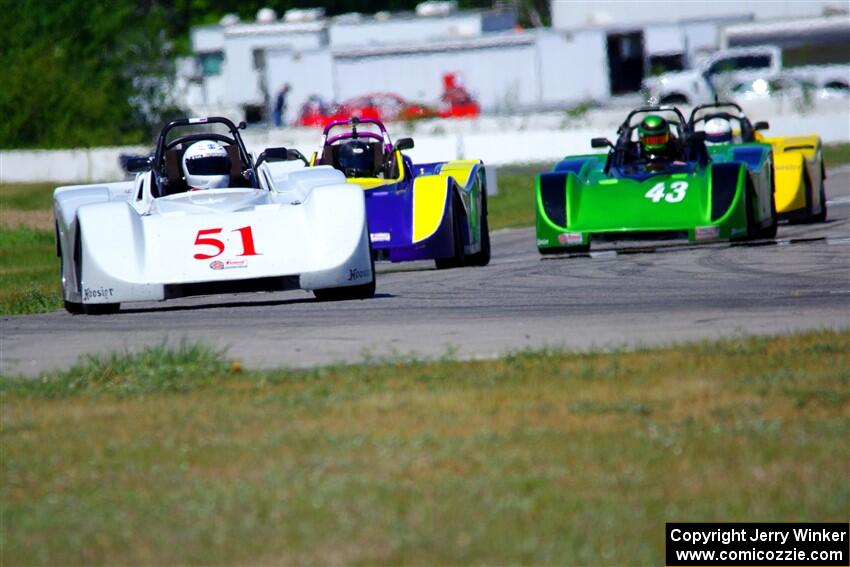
(579, 199)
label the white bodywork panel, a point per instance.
(305, 224)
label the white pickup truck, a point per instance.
(723, 69)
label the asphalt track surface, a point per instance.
(660, 295)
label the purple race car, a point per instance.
(415, 211)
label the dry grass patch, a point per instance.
(169, 457)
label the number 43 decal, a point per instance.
(203, 239)
(657, 193)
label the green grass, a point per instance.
(836, 154)
(548, 457)
(29, 272)
(513, 205)
(27, 196)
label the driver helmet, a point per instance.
(654, 132)
(718, 131)
(206, 165)
(356, 159)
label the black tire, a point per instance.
(674, 98)
(752, 230)
(806, 215)
(482, 258)
(73, 308)
(821, 216)
(459, 257)
(364, 291)
(770, 230)
(101, 308)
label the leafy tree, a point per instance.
(80, 73)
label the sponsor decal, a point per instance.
(357, 274)
(90, 293)
(707, 232)
(379, 236)
(570, 238)
(738, 231)
(543, 242)
(228, 264)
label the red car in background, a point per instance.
(388, 107)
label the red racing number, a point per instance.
(202, 239)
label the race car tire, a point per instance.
(806, 215)
(482, 258)
(364, 291)
(73, 307)
(101, 308)
(821, 216)
(752, 229)
(770, 230)
(459, 257)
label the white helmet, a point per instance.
(206, 165)
(718, 131)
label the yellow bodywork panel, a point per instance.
(791, 156)
(373, 182)
(429, 202)
(460, 169)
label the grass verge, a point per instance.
(836, 154)
(540, 457)
(29, 272)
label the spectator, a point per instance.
(280, 106)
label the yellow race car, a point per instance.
(799, 172)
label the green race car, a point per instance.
(659, 180)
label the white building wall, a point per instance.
(242, 79)
(207, 38)
(572, 14)
(370, 31)
(307, 72)
(502, 78)
(573, 67)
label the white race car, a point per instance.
(203, 217)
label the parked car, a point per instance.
(715, 76)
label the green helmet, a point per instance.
(654, 133)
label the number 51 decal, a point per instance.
(657, 193)
(203, 239)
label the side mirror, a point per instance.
(404, 144)
(280, 154)
(295, 154)
(600, 143)
(136, 164)
(762, 125)
(271, 154)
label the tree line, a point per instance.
(81, 73)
